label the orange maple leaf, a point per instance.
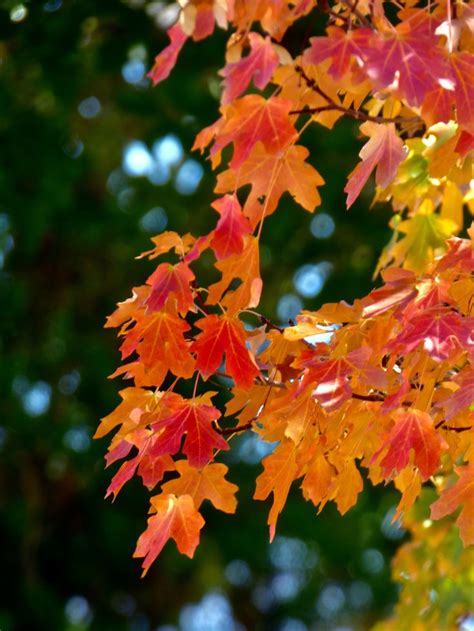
(246, 267)
(208, 483)
(280, 470)
(462, 492)
(175, 518)
(158, 339)
(271, 175)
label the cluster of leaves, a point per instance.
(386, 383)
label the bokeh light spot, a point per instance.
(137, 160)
(18, 13)
(288, 307)
(78, 611)
(133, 71)
(154, 221)
(168, 150)
(322, 226)
(188, 177)
(90, 107)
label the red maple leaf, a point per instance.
(224, 335)
(195, 419)
(443, 334)
(231, 228)
(340, 47)
(165, 61)
(171, 280)
(413, 430)
(259, 65)
(252, 119)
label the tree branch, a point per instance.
(347, 111)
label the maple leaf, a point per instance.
(169, 240)
(171, 281)
(346, 486)
(443, 334)
(259, 65)
(462, 492)
(271, 175)
(425, 233)
(228, 237)
(123, 475)
(463, 397)
(340, 47)
(316, 483)
(413, 430)
(462, 64)
(135, 401)
(149, 468)
(246, 267)
(206, 483)
(280, 469)
(252, 119)
(126, 309)
(174, 518)
(195, 419)
(166, 60)
(407, 60)
(332, 387)
(383, 152)
(158, 339)
(222, 335)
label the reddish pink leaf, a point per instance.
(123, 475)
(384, 151)
(443, 334)
(465, 144)
(463, 69)
(171, 280)
(413, 430)
(252, 119)
(165, 61)
(463, 397)
(231, 227)
(340, 47)
(152, 469)
(259, 65)
(408, 60)
(332, 387)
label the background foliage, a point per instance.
(78, 202)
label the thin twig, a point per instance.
(347, 111)
(355, 11)
(368, 397)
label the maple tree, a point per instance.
(385, 384)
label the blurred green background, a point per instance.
(95, 162)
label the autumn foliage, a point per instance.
(385, 384)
